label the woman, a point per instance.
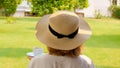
(63, 33)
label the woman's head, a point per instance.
(69, 53)
(62, 30)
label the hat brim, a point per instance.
(45, 36)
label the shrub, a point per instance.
(10, 20)
(98, 15)
(115, 11)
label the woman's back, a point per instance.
(51, 61)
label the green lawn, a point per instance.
(19, 38)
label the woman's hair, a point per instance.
(69, 53)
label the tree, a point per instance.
(1, 3)
(41, 7)
(9, 6)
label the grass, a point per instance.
(19, 38)
(104, 45)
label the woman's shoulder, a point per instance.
(87, 60)
(40, 57)
(40, 61)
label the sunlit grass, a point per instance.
(104, 45)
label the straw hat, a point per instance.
(62, 30)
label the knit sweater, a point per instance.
(51, 61)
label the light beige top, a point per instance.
(50, 61)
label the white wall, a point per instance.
(118, 2)
(19, 14)
(103, 6)
(89, 12)
(97, 5)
